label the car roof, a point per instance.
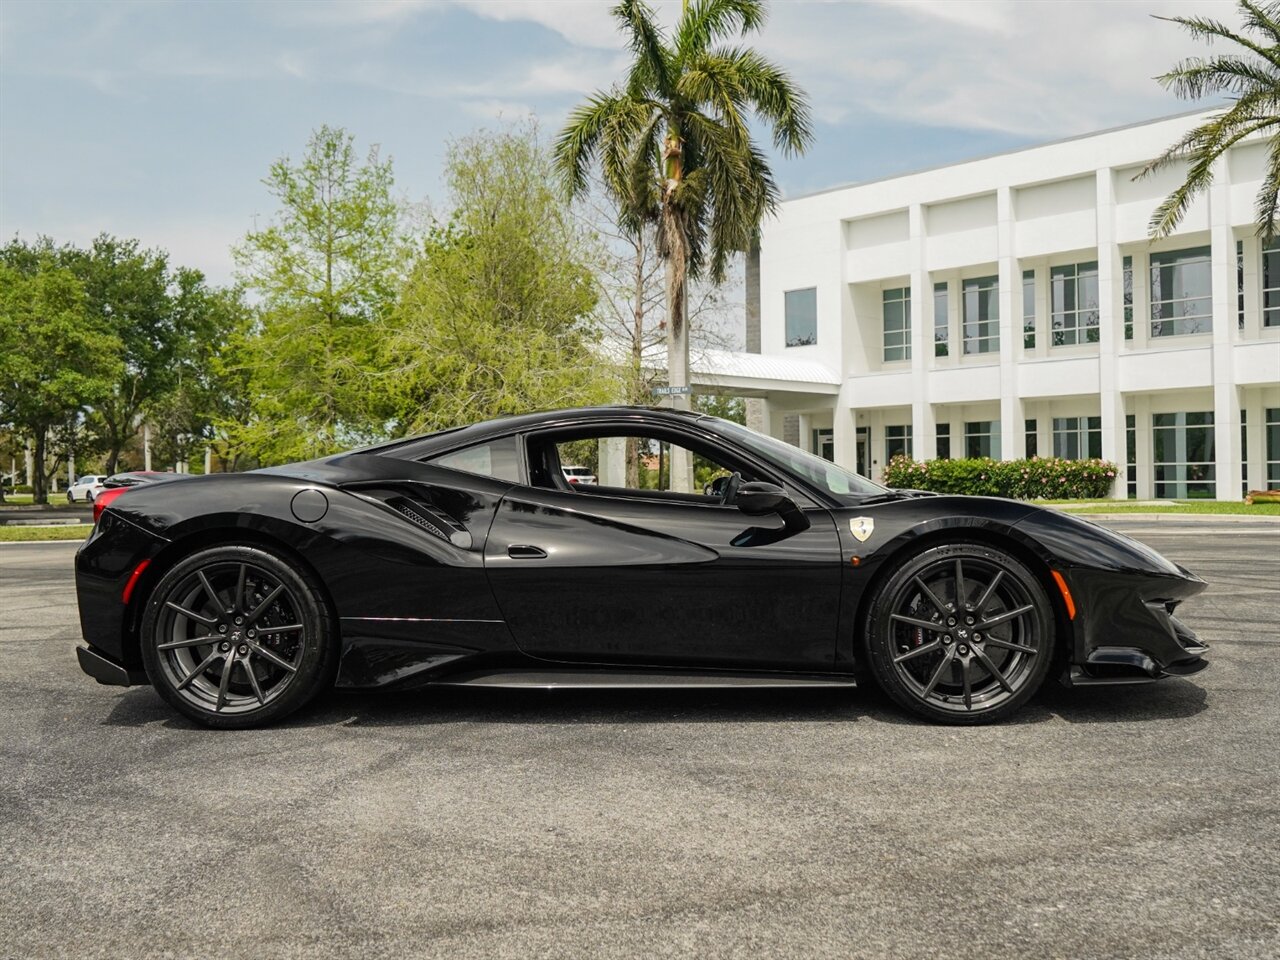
(415, 447)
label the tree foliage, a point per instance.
(1249, 75)
(326, 271)
(54, 359)
(496, 315)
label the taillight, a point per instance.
(103, 500)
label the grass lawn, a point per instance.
(25, 534)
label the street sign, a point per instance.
(671, 391)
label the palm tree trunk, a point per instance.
(678, 366)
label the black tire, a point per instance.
(991, 641)
(70, 498)
(209, 646)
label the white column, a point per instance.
(806, 432)
(1012, 437)
(71, 469)
(1110, 331)
(1255, 428)
(844, 430)
(1144, 448)
(208, 460)
(146, 447)
(611, 464)
(1226, 398)
(923, 428)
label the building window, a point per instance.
(1032, 443)
(897, 442)
(1077, 438)
(1181, 293)
(982, 315)
(801, 309)
(1240, 284)
(1073, 292)
(982, 439)
(941, 326)
(1271, 284)
(943, 444)
(1184, 455)
(1028, 309)
(1272, 430)
(1128, 298)
(1131, 455)
(897, 324)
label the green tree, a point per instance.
(496, 317)
(326, 271)
(183, 418)
(674, 146)
(1249, 75)
(53, 358)
(126, 292)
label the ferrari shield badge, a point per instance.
(862, 528)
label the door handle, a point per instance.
(525, 551)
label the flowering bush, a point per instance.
(1040, 478)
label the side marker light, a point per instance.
(1066, 594)
(133, 580)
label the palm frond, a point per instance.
(1262, 17)
(581, 139)
(650, 71)
(1207, 28)
(1203, 155)
(1268, 200)
(706, 21)
(1198, 77)
(774, 96)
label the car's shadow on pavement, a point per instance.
(1171, 699)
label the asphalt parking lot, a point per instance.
(1124, 822)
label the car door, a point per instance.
(629, 577)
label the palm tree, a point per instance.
(1250, 78)
(675, 149)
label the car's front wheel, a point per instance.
(238, 636)
(960, 633)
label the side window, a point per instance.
(499, 459)
(631, 463)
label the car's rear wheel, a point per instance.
(238, 636)
(960, 633)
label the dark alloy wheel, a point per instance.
(961, 633)
(237, 637)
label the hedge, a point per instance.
(1040, 478)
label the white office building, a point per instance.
(1014, 305)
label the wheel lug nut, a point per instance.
(224, 646)
(977, 636)
(969, 621)
(239, 620)
(251, 633)
(222, 628)
(946, 641)
(243, 649)
(962, 649)
(951, 621)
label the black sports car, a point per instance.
(466, 557)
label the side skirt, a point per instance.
(542, 679)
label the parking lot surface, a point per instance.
(1115, 822)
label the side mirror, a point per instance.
(758, 498)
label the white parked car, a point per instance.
(86, 488)
(578, 474)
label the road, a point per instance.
(1127, 823)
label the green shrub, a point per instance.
(1047, 478)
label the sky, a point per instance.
(158, 120)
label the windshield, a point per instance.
(823, 474)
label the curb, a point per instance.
(1176, 517)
